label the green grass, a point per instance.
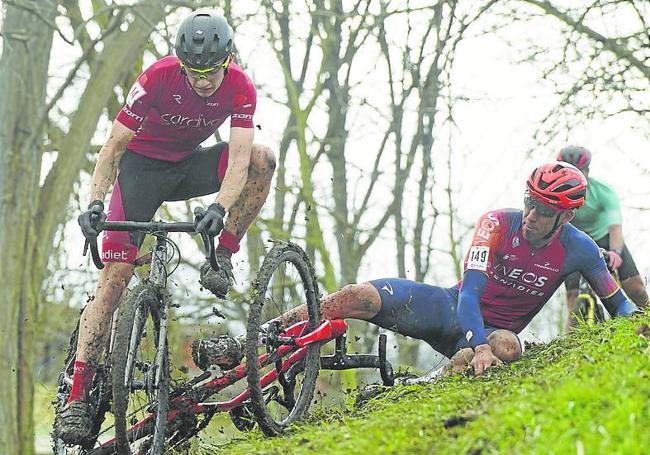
(588, 393)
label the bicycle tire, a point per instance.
(282, 254)
(133, 314)
(584, 309)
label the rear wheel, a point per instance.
(285, 281)
(140, 380)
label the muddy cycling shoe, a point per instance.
(432, 376)
(218, 282)
(73, 423)
(223, 351)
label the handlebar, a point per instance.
(150, 227)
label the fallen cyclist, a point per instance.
(516, 261)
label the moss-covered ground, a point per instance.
(587, 393)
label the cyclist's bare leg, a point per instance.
(635, 289)
(358, 301)
(96, 317)
(254, 193)
(73, 421)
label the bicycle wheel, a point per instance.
(99, 395)
(136, 396)
(285, 281)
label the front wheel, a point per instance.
(140, 376)
(285, 281)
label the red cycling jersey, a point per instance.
(171, 120)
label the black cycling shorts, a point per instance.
(143, 184)
(421, 311)
(626, 270)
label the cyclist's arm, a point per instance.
(471, 320)
(611, 213)
(595, 271)
(488, 236)
(239, 158)
(616, 237)
(469, 311)
(618, 305)
(109, 160)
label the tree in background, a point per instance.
(602, 69)
(33, 206)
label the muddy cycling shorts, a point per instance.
(421, 311)
(626, 270)
(143, 184)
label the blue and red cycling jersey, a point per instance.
(509, 281)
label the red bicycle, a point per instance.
(153, 412)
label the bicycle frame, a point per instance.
(192, 401)
(586, 294)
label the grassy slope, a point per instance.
(584, 394)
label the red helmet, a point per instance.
(580, 157)
(559, 185)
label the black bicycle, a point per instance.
(133, 379)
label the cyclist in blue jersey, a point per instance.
(516, 261)
(600, 217)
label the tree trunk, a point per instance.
(27, 245)
(23, 81)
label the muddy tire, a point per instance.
(286, 279)
(137, 333)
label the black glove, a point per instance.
(91, 218)
(209, 221)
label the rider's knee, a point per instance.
(359, 301)
(263, 159)
(505, 345)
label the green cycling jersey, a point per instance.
(601, 210)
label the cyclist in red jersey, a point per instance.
(153, 155)
(516, 261)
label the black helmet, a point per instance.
(580, 157)
(204, 40)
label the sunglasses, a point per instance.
(543, 210)
(195, 73)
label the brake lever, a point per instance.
(94, 252)
(210, 255)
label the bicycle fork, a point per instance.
(155, 303)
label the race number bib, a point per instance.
(478, 258)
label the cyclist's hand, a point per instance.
(614, 259)
(89, 219)
(209, 221)
(483, 359)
